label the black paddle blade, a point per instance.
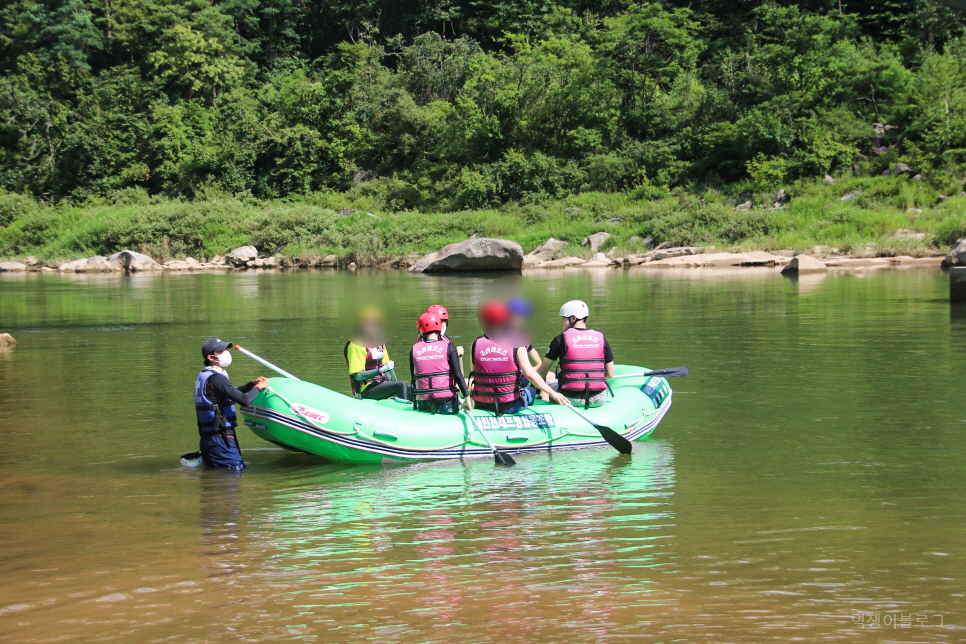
(670, 373)
(503, 459)
(616, 441)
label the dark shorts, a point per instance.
(442, 406)
(527, 396)
(221, 451)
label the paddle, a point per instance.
(499, 457)
(191, 459)
(673, 372)
(266, 363)
(616, 441)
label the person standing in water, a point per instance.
(371, 374)
(215, 400)
(434, 363)
(585, 358)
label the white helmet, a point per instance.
(576, 308)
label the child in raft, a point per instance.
(371, 374)
(434, 363)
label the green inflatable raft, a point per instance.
(301, 416)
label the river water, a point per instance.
(807, 485)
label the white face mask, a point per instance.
(224, 359)
(377, 353)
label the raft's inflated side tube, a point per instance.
(313, 419)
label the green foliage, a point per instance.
(15, 206)
(457, 104)
(767, 172)
(367, 224)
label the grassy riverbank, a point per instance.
(882, 216)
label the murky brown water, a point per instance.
(810, 474)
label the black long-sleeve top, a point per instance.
(453, 358)
(219, 387)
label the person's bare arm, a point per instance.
(536, 379)
(609, 367)
(544, 367)
(534, 357)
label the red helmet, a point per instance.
(494, 313)
(439, 311)
(429, 322)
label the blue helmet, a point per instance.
(519, 306)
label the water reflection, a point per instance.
(810, 469)
(220, 519)
(466, 543)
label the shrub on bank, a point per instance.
(353, 224)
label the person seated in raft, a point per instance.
(440, 311)
(434, 363)
(215, 400)
(371, 374)
(584, 355)
(520, 312)
(499, 368)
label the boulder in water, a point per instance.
(12, 267)
(483, 254)
(956, 255)
(134, 262)
(803, 264)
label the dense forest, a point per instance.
(452, 104)
(448, 105)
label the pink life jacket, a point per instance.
(496, 376)
(431, 374)
(582, 368)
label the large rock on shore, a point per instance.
(599, 260)
(134, 262)
(563, 262)
(71, 267)
(660, 253)
(956, 255)
(717, 260)
(12, 267)
(545, 251)
(482, 254)
(595, 241)
(242, 255)
(801, 264)
(100, 264)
